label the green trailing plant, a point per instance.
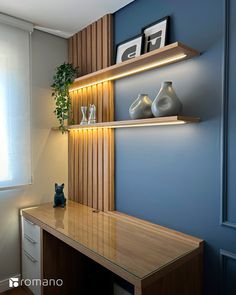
(62, 80)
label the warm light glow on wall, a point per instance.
(138, 70)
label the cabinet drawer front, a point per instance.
(31, 271)
(31, 230)
(32, 247)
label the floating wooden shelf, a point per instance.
(173, 120)
(166, 55)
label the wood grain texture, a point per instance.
(92, 48)
(17, 291)
(60, 260)
(91, 153)
(184, 280)
(163, 56)
(138, 122)
(116, 241)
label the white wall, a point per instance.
(49, 151)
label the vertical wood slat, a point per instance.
(74, 51)
(111, 170)
(105, 45)
(84, 52)
(110, 40)
(85, 167)
(99, 44)
(95, 169)
(100, 169)
(70, 51)
(106, 169)
(89, 48)
(79, 181)
(91, 153)
(94, 47)
(100, 103)
(79, 51)
(71, 166)
(76, 166)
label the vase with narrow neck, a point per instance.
(141, 107)
(92, 114)
(84, 120)
(166, 102)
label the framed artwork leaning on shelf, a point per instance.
(129, 49)
(155, 34)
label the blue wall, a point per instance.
(171, 175)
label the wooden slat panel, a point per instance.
(91, 153)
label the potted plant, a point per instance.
(62, 80)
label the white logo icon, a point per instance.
(13, 282)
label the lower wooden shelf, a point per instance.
(173, 120)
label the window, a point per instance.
(15, 147)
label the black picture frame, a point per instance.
(121, 49)
(162, 38)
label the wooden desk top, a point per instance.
(130, 247)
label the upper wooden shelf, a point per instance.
(163, 56)
(172, 120)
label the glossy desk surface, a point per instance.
(129, 244)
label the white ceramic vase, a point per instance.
(141, 107)
(166, 102)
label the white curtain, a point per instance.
(15, 85)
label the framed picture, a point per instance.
(155, 34)
(129, 49)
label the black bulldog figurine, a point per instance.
(59, 197)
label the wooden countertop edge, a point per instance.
(170, 267)
(87, 252)
(157, 228)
